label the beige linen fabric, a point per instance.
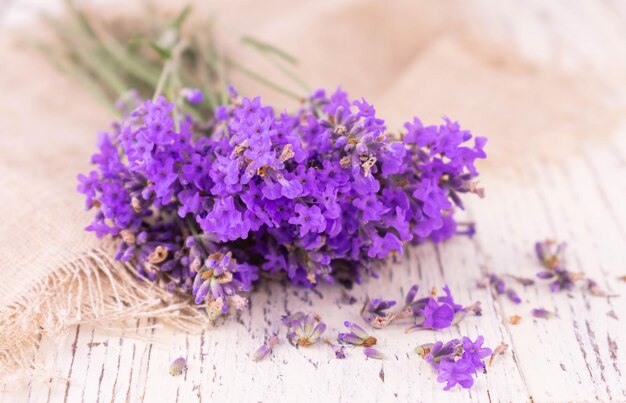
(527, 76)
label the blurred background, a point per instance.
(528, 75)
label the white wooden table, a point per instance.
(578, 356)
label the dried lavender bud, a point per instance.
(513, 296)
(410, 295)
(499, 287)
(266, 348)
(594, 289)
(178, 366)
(371, 352)
(542, 313)
(357, 336)
(523, 281)
(497, 283)
(347, 298)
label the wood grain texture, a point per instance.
(578, 356)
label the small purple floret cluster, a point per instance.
(321, 193)
(433, 313)
(457, 361)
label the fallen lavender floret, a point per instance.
(339, 350)
(305, 330)
(373, 312)
(457, 361)
(371, 352)
(178, 366)
(550, 254)
(542, 313)
(512, 294)
(499, 350)
(357, 336)
(203, 205)
(266, 348)
(437, 313)
(499, 287)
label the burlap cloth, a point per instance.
(528, 77)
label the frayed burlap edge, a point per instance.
(88, 290)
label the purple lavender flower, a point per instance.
(437, 352)
(456, 361)
(192, 95)
(374, 312)
(216, 282)
(513, 296)
(456, 373)
(305, 330)
(309, 219)
(410, 295)
(550, 255)
(357, 336)
(437, 313)
(497, 283)
(474, 351)
(320, 194)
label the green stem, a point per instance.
(162, 79)
(263, 80)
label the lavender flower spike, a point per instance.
(204, 205)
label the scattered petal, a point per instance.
(373, 353)
(542, 313)
(266, 348)
(501, 349)
(178, 366)
(515, 319)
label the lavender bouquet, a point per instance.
(207, 191)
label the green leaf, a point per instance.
(182, 16)
(165, 54)
(266, 47)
